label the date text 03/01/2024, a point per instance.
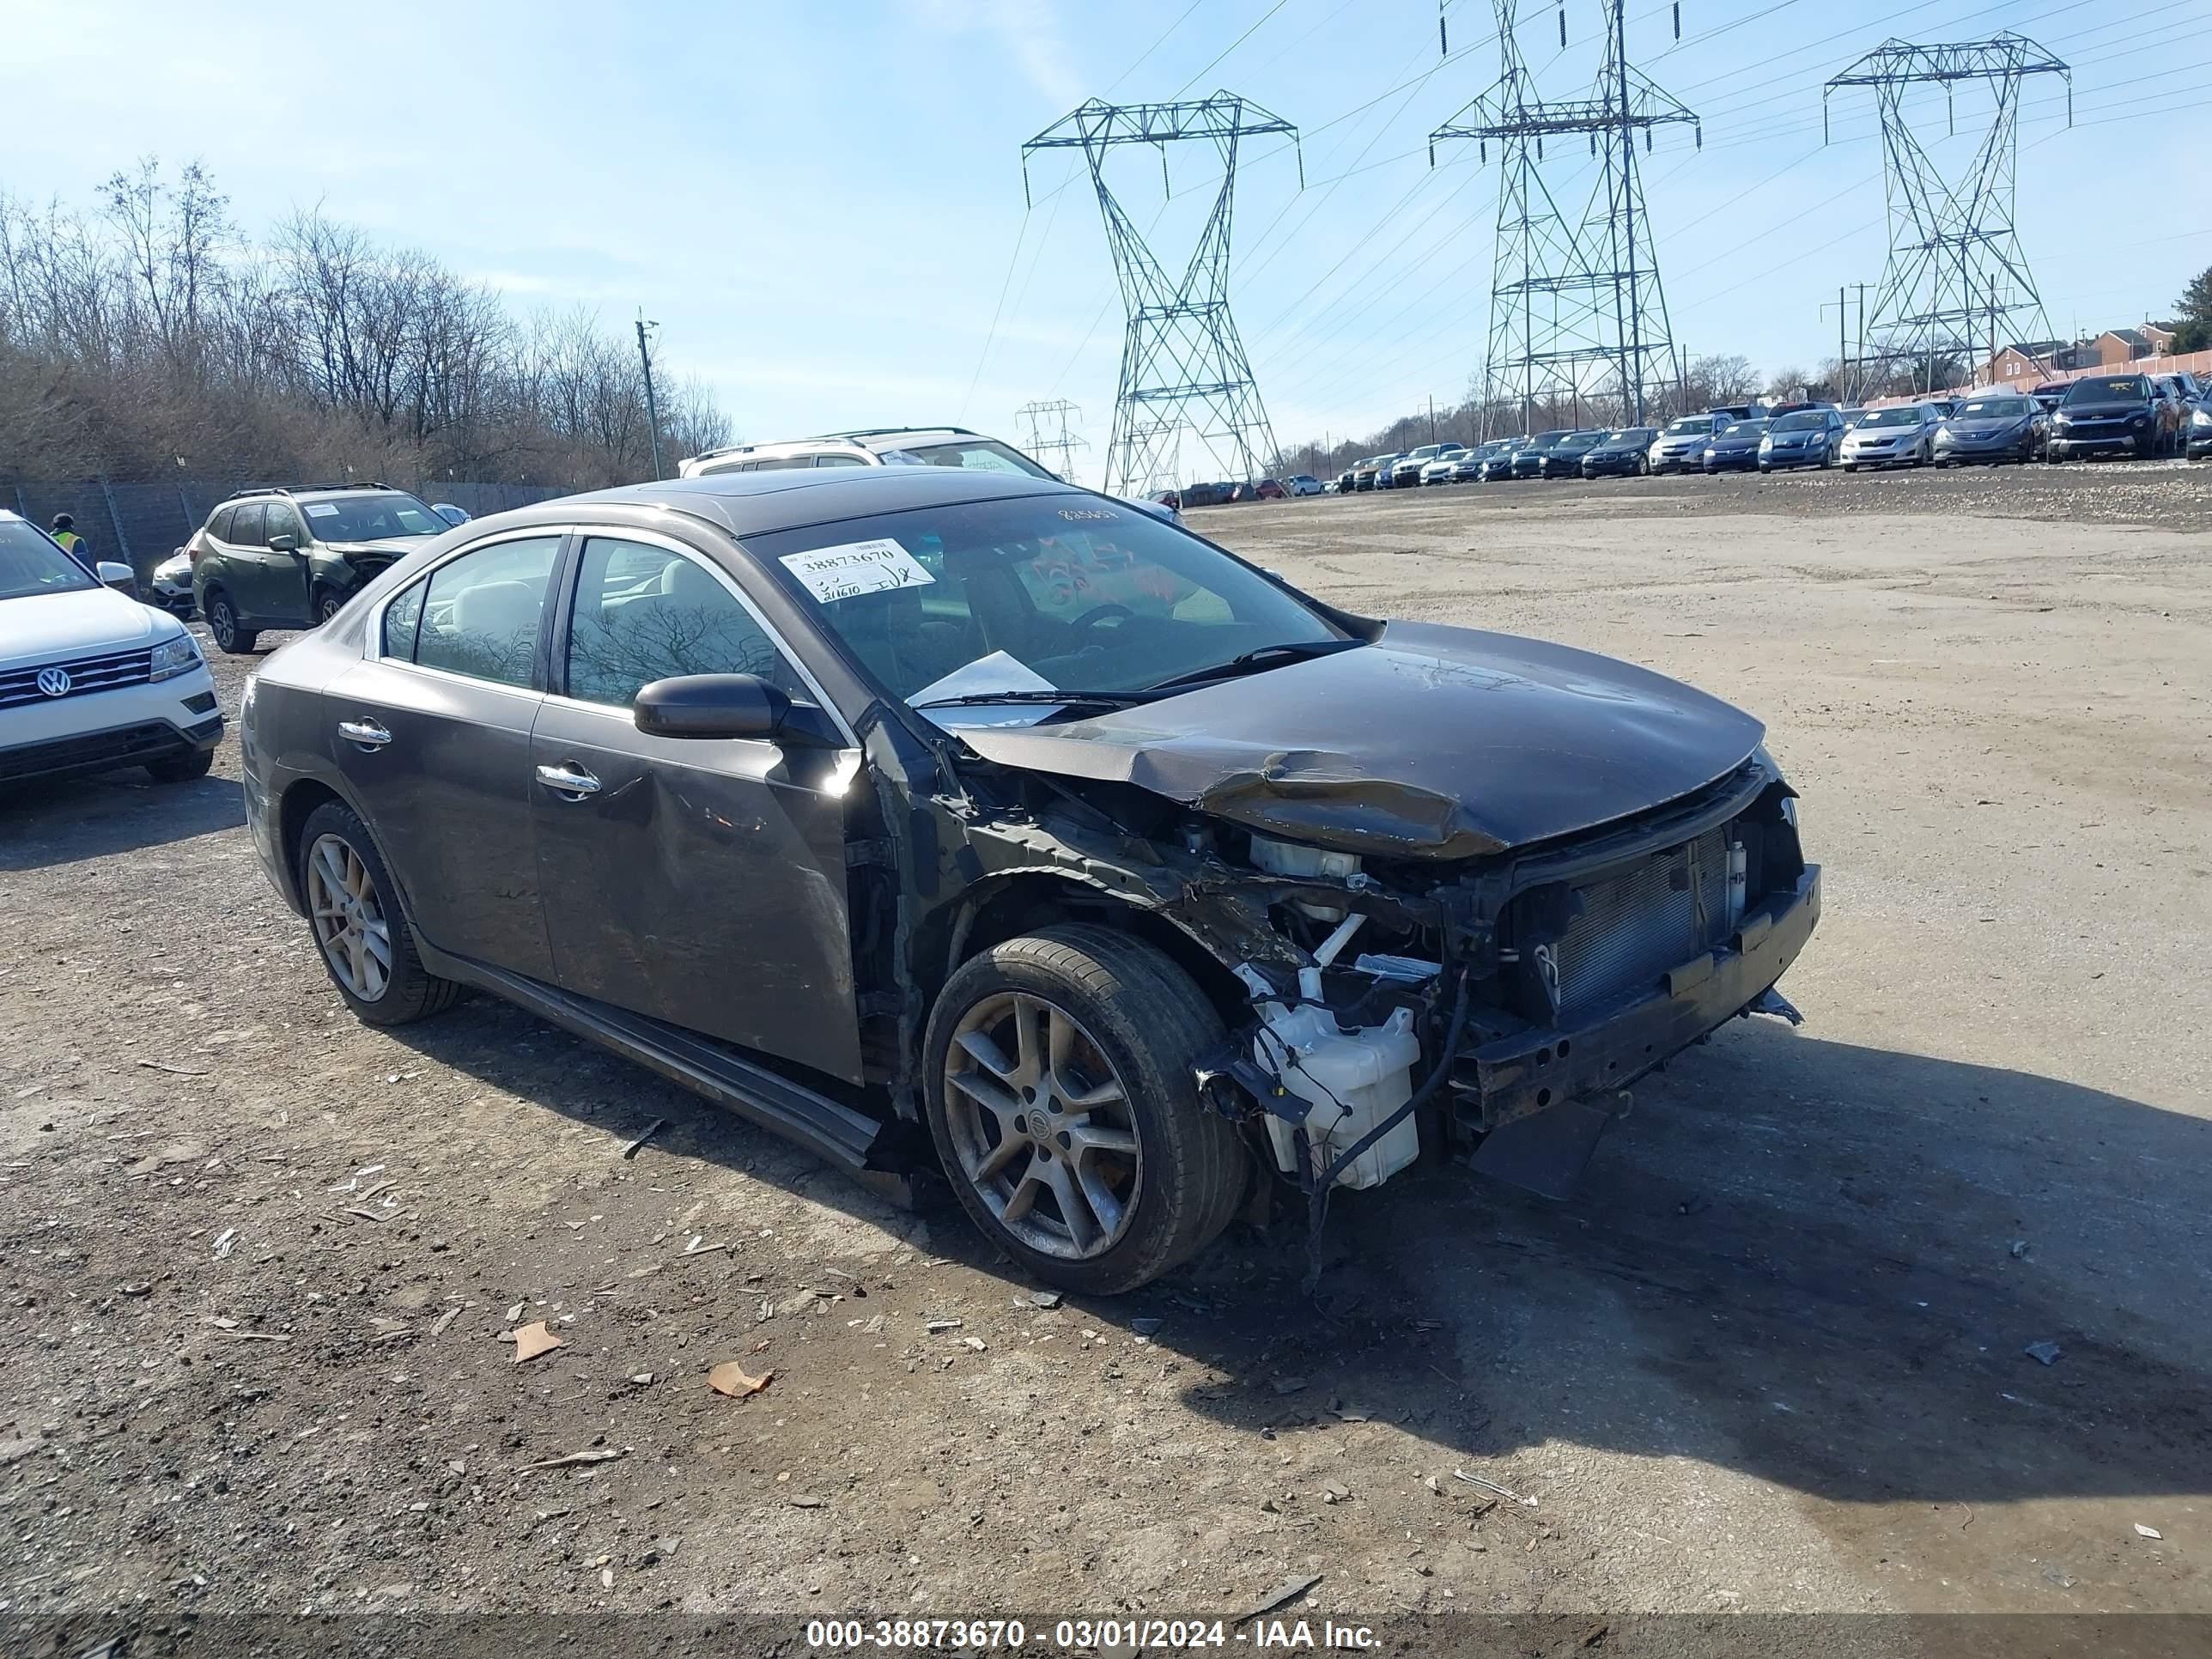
(1086, 1634)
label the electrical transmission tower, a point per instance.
(1956, 271)
(1576, 306)
(1049, 439)
(1183, 366)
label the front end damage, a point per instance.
(1388, 1007)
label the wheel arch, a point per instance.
(1007, 904)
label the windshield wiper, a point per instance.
(1101, 699)
(1266, 656)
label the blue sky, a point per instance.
(823, 205)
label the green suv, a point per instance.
(290, 557)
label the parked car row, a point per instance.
(2130, 415)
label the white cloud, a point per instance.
(1025, 31)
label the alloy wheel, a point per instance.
(327, 608)
(1041, 1126)
(222, 623)
(349, 920)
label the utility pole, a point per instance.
(1843, 349)
(1951, 237)
(1598, 274)
(1056, 441)
(1182, 362)
(652, 405)
(1432, 420)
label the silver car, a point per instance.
(1681, 447)
(1903, 435)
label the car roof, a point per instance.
(760, 503)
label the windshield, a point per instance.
(2129, 390)
(1907, 416)
(1425, 452)
(371, 518)
(30, 563)
(1994, 409)
(1057, 591)
(1582, 441)
(1742, 428)
(1805, 420)
(1547, 439)
(983, 454)
(1690, 425)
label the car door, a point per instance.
(698, 881)
(246, 571)
(431, 732)
(285, 567)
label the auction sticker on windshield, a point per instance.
(851, 568)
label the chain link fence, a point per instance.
(143, 523)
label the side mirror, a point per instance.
(731, 706)
(283, 542)
(120, 577)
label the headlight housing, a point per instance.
(173, 657)
(2200, 417)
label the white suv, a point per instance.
(90, 679)
(894, 446)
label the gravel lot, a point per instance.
(258, 1258)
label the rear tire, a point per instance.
(369, 940)
(182, 768)
(1002, 1121)
(230, 638)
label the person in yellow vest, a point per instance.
(74, 544)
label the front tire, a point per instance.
(233, 640)
(1062, 1096)
(360, 927)
(327, 605)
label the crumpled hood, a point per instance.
(1435, 742)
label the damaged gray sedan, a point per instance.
(975, 828)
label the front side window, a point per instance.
(479, 613)
(245, 529)
(644, 613)
(31, 563)
(373, 516)
(282, 521)
(839, 459)
(1081, 593)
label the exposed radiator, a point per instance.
(1637, 921)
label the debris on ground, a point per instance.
(2142, 1531)
(223, 1241)
(589, 1454)
(1506, 1492)
(2044, 1354)
(1282, 1595)
(939, 1327)
(1146, 1326)
(637, 1144)
(1044, 1298)
(732, 1379)
(533, 1339)
(1287, 1385)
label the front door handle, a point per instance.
(569, 778)
(365, 734)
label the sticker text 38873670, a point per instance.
(851, 568)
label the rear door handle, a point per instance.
(365, 734)
(569, 778)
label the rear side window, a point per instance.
(838, 460)
(479, 615)
(245, 529)
(219, 526)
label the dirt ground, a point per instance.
(258, 1259)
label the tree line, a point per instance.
(151, 334)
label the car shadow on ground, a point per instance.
(1816, 1263)
(43, 825)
